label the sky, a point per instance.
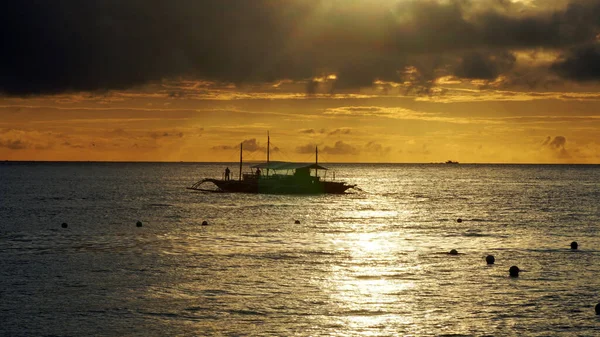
(406, 81)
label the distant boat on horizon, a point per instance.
(451, 162)
(286, 178)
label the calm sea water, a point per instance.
(372, 263)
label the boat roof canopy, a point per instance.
(282, 165)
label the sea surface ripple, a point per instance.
(371, 263)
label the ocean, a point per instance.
(371, 263)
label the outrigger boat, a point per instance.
(279, 178)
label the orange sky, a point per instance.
(523, 100)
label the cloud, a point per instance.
(486, 66)
(557, 145)
(73, 45)
(362, 111)
(580, 63)
(250, 145)
(21, 139)
(402, 113)
(75, 146)
(558, 142)
(118, 133)
(341, 148)
(374, 147)
(158, 135)
(308, 148)
(342, 131)
(14, 144)
(311, 87)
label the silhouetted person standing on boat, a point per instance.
(257, 172)
(227, 172)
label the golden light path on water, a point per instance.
(355, 265)
(368, 287)
(364, 264)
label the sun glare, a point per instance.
(367, 285)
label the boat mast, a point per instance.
(316, 161)
(268, 151)
(241, 147)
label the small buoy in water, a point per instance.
(597, 308)
(453, 252)
(297, 222)
(459, 220)
(574, 245)
(138, 224)
(204, 223)
(64, 225)
(514, 271)
(490, 259)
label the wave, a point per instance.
(246, 312)
(159, 205)
(364, 312)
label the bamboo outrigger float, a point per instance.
(296, 180)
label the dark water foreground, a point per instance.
(373, 263)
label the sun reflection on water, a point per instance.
(371, 287)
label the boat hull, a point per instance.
(277, 186)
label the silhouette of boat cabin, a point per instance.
(277, 177)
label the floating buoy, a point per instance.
(297, 222)
(514, 271)
(204, 223)
(459, 220)
(597, 308)
(490, 259)
(64, 225)
(138, 224)
(574, 245)
(453, 252)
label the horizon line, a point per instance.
(261, 161)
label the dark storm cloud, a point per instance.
(580, 64)
(311, 87)
(486, 66)
(54, 46)
(74, 45)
